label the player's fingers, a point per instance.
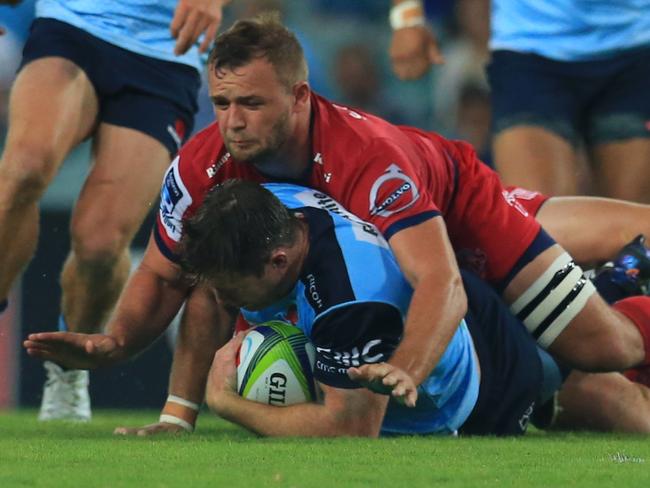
(411, 396)
(124, 431)
(210, 34)
(435, 55)
(373, 372)
(189, 33)
(179, 19)
(392, 378)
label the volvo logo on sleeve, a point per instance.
(401, 189)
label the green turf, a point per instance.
(34, 454)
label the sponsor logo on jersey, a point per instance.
(363, 231)
(174, 201)
(392, 192)
(351, 113)
(355, 356)
(512, 198)
(312, 291)
(212, 170)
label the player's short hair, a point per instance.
(235, 231)
(263, 36)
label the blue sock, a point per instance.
(3, 305)
(63, 327)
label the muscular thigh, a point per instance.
(53, 107)
(122, 186)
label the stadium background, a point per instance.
(346, 43)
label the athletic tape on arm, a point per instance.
(553, 300)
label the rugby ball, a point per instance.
(276, 365)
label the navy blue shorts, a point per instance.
(512, 377)
(592, 101)
(139, 92)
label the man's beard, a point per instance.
(266, 158)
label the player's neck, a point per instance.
(294, 158)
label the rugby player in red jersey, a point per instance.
(431, 198)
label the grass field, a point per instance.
(34, 454)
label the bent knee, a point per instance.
(26, 173)
(99, 246)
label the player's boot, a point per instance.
(65, 395)
(628, 274)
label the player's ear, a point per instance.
(301, 92)
(279, 260)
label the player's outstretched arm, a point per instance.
(147, 305)
(152, 297)
(205, 326)
(413, 48)
(193, 18)
(438, 304)
(357, 412)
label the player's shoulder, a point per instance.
(203, 146)
(348, 130)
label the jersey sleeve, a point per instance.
(391, 188)
(353, 335)
(179, 197)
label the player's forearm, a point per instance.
(205, 327)
(437, 307)
(146, 308)
(302, 420)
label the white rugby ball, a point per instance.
(276, 365)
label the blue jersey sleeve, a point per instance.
(353, 335)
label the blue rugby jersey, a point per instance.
(140, 26)
(352, 300)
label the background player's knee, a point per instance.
(98, 244)
(25, 173)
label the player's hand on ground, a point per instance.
(72, 350)
(193, 18)
(222, 379)
(151, 429)
(386, 379)
(412, 51)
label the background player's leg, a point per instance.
(53, 106)
(605, 401)
(624, 169)
(120, 190)
(536, 159)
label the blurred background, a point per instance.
(346, 43)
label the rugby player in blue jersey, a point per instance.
(126, 73)
(349, 293)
